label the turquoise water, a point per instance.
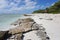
(7, 19)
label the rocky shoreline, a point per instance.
(25, 26)
(47, 24)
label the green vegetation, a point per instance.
(53, 9)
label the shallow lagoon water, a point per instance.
(7, 19)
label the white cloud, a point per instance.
(14, 6)
(28, 5)
(17, 1)
(2, 4)
(27, 1)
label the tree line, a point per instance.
(52, 9)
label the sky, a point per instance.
(24, 6)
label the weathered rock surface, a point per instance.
(25, 26)
(16, 37)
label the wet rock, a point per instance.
(2, 34)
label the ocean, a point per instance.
(7, 19)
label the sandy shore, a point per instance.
(51, 22)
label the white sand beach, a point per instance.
(52, 26)
(51, 22)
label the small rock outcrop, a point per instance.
(25, 26)
(4, 35)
